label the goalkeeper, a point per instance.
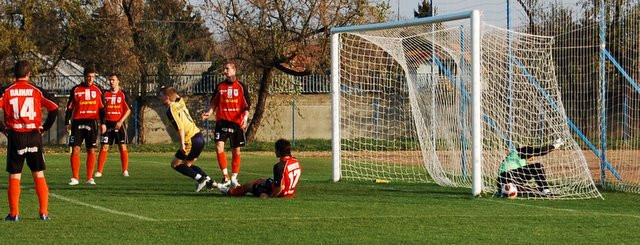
(515, 169)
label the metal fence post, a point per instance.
(293, 122)
(135, 121)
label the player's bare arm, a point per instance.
(182, 146)
(206, 114)
(245, 118)
(121, 121)
(276, 191)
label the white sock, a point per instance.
(234, 176)
(198, 176)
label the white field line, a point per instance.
(303, 218)
(346, 218)
(108, 210)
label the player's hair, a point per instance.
(283, 148)
(233, 64)
(21, 69)
(170, 92)
(114, 74)
(89, 68)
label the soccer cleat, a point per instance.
(44, 217)
(73, 181)
(225, 182)
(234, 183)
(202, 182)
(11, 218)
(91, 182)
(125, 173)
(211, 184)
(97, 175)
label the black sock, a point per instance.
(184, 169)
(199, 170)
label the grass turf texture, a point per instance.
(158, 205)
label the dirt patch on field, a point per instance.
(625, 162)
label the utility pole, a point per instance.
(398, 10)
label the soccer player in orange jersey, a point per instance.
(286, 175)
(117, 111)
(86, 108)
(231, 103)
(22, 104)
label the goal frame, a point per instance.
(476, 91)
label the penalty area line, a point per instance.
(108, 210)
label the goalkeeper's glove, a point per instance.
(557, 143)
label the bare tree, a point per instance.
(152, 35)
(290, 36)
(43, 31)
(531, 7)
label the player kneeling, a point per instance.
(191, 140)
(286, 174)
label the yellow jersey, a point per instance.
(180, 118)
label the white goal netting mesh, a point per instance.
(405, 101)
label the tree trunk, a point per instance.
(142, 103)
(140, 119)
(263, 94)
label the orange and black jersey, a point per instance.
(22, 104)
(85, 102)
(287, 173)
(231, 100)
(116, 105)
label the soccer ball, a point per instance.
(510, 190)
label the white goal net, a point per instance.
(405, 109)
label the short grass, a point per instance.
(156, 205)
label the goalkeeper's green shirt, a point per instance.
(512, 162)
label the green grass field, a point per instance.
(158, 205)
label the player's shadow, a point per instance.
(203, 194)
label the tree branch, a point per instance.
(292, 72)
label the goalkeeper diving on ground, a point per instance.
(516, 169)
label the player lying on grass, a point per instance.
(286, 174)
(22, 104)
(191, 140)
(516, 169)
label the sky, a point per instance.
(492, 11)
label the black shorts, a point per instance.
(21, 146)
(521, 176)
(194, 148)
(112, 135)
(230, 130)
(84, 130)
(265, 187)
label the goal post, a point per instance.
(474, 18)
(451, 101)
